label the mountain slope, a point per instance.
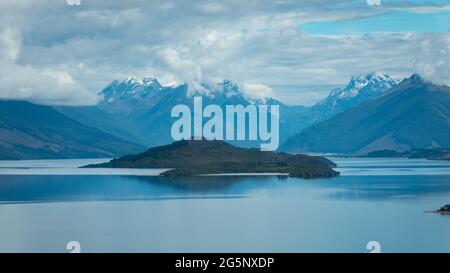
(30, 131)
(415, 114)
(97, 118)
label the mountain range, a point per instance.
(372, 112)
(414, 114)
(139, 110)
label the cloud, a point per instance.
(40, 85)
(258, 90)
(65, 54)
(10, 44)
(111, 18)
(181, 68)
(212, 7)
(374, 2)
(433, 59)
(420, 8)
(44, 86)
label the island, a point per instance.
(204, 157)
(444, 210)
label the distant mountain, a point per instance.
(139, 110)
(195, 157)
(97, 118)
(132, 96)
(360, 89)
(30, 131)
(414, 114)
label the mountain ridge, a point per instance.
(414, 114)
(141, 108)
(30, 131)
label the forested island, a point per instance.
(200, 157)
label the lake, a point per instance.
(44, 204)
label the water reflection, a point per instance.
(387, 187)
(88, 188)
(16, 188)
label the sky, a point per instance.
(294, 50)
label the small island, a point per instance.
(444, 210)
(203, 157)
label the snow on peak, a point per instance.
(372, 82)
(147, 81)
(223, 87)
(361, 87)
(132, 80)
(130, 87)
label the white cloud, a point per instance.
(64, 54)
(44, 86)
(180, 66)
(258, 90)
(10, 44)
(114, 18)
(373, 2)
(424, 8)
(41, 85)
(212, 7)
(433, 59)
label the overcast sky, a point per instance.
(294, 50)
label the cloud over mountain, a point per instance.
(68, 53)
(47, 85)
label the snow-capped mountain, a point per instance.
(228, 90)
(124, 97)
(361, 88)
(133, 97)
(130, 87)
(412, 115)
(139, 109)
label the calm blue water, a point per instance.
(380, 200)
